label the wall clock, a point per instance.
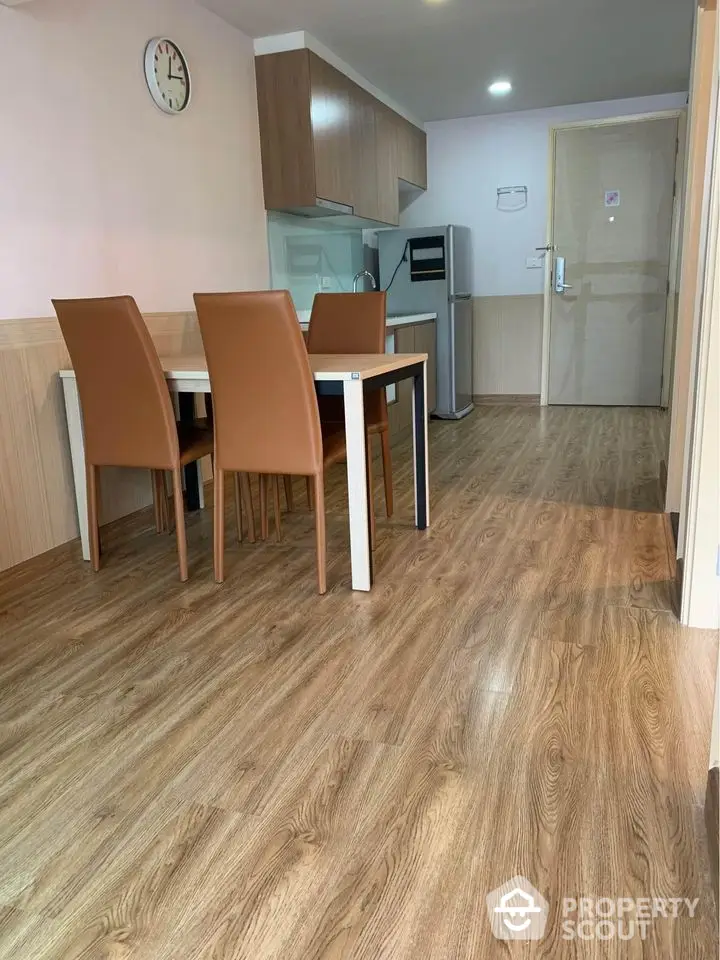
(167, 75)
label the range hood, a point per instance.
(322, 208)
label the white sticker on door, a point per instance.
(612, 198)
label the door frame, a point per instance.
(699, 537)
(680, 115)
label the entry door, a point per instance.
(612, 225)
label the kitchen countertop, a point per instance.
(393, 319)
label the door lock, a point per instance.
(559, 282)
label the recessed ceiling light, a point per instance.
(500, 88)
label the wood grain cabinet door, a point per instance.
(425, 343)
(418, 140)
(412, 153)
(286, 140)
(400, 412)
(386, 156)
(332, 127)
(364, 153)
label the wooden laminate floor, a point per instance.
(251, 771)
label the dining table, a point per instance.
(348, 375)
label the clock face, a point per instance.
(167, 75)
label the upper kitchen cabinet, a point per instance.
(411, 153)
(386, 141)
(333, 130)
(328, 146)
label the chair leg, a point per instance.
(309, 488)
(371, 492)
(276, 507)
(219, 526)
(289, 499)
(238, 507)
(387, 471)
(169, 523)
(91, 473)
(158, 501)
(320, 538)
(164, 500)
(264, 506)
(249, 509)
(180, 523)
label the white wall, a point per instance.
(100, 192)
(469, 159)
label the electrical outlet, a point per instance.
(325, 283)
(534, 263)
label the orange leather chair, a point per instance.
(354, 323)
(264, 403)
(128, 417)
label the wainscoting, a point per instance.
(507, 347)
(37, 500)
(507, 399)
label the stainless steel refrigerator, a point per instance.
(429, 270)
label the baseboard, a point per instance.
(712, 825)
(507, 399)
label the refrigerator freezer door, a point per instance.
(460, 280)
(461, 314)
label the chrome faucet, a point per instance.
(358, 277)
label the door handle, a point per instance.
(559, 282)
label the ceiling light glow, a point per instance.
(500, 88)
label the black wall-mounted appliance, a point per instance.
(427, 258)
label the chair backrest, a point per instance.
(350, 323)
(128, 419)
(265, 409)
(347, 323)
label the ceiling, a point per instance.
(438, 58)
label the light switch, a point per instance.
(535, 263)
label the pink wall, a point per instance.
(100, 192)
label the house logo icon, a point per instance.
(517, 911)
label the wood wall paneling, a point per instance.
(37, 497)
(507, 344)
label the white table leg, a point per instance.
(77, 456)
(360, 552)
(420, 451)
